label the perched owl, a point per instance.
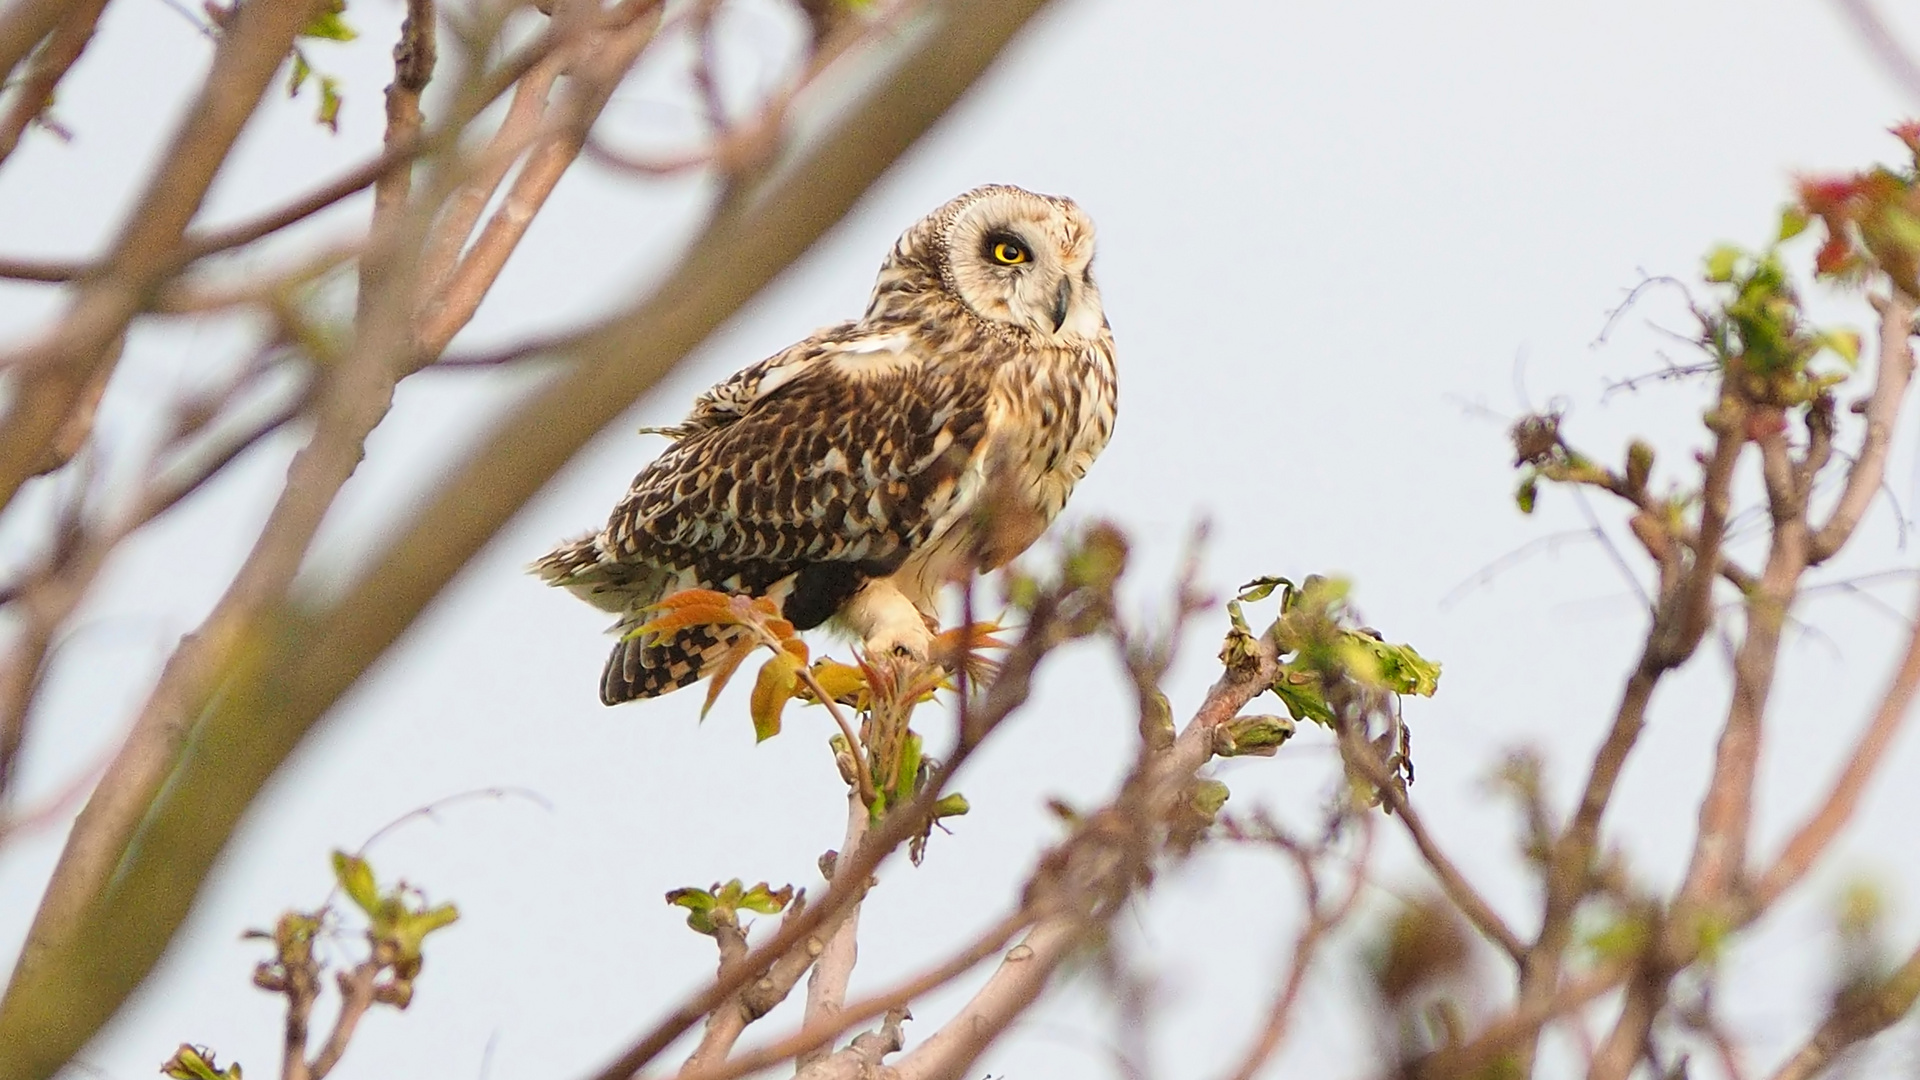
(852, 475)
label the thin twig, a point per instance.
(1321, 921)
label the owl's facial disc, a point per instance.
(1024, 259)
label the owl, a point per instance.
(852, 475)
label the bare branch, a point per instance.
(1516, 1028)
(50, 64)
(1882, 410)
(597, 72)
(861, 1060)
(1819, 830)
(357, 996)
(1856, 1017)
(827, 985)
(1085, 889)
(1321, 921)
(807, 1038)
(22, 27)
(1361, 756)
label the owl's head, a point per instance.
(1011, 256)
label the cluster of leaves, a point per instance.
(1756, 333)
(1317, 639)
(398, 922)
(724, 902)
(1542, 453)
(1759, 333)
(1872, 219)
(745, 623)
(328, 24)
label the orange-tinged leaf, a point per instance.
(723, 673)
(692, 616)
(948, 645)
(687, 597)
(771, 692)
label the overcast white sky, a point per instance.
(1332, 237)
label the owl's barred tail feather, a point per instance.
(647, 667)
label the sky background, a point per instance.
(1341, 245)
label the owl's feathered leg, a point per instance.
(642, 667)
(887, 622)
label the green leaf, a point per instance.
(1262, 587)
(954, 805)
(298, 77)
(699, 904)
(412, 927)
(1209, 796)
(766, 900)
(1391, 667)
(1527, 493)
(1301, 693)
(356, 880)
(691, 899)
(1099, 558)
(329, 112)
(328, 25)
(1251, 736)
(1721, 263)
(1617, 939)
(197, 1063)
(903, 778)
(1843, 343)
(1793, 221)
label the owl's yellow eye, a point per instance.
(1009, 253)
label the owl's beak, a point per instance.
(1062, 299)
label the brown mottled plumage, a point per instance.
(855, 473)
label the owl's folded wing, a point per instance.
(853, 455)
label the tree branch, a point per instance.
(1856, 1017)
(827, 985)
(52, 375)
(23, 25)
(811, 1036)
(50, 65)
(1882, 412)
(1085, 888)
(597, 72)
(861, 1060)
(1818, 831)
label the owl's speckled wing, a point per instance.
(850, 455)
(804, 475)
